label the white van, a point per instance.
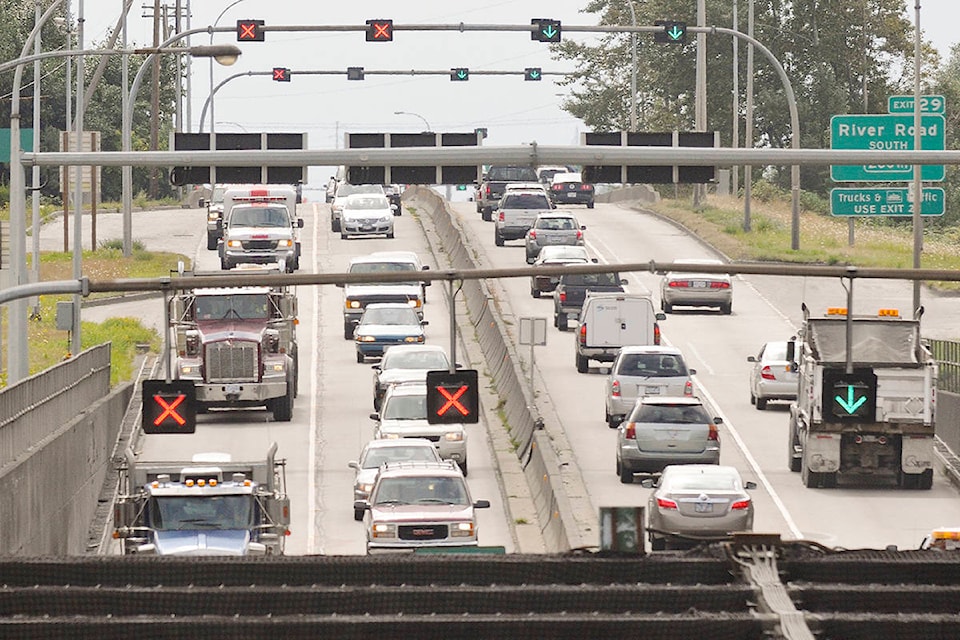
(609, 321)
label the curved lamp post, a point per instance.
(411, 113)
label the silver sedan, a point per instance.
(774, 375)
(551, 229)
(685, 289)
(698, 502)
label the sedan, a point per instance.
(406, 363)
(666, 430)
(345, 190)
(699, 502)
(384, 324)
(696, 289)
(380, 452)
(557, 256)
(367, 215)
(551, 229)
(641, 371)
(570, 188)
(774, 375)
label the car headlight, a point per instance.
(212, 216)
(235, 244)
(462, 530)
(414, 303)
(285, 243)
(382, 530)
(453, 436)
(365, 488)
(278, 367)
(366, 339)
(353, 304)
(386, 218)
(413, 339)
(189, 371)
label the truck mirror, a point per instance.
(300, 223)
(124, 514)
(360, 505)
(791, 350)
(278, 510)
(201, 203)
(751, 358)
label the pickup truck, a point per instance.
(572, 290)
(494, 184)
(517, 213)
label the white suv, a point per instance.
(420, 504)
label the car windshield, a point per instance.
(350, 189)
(391, 316)
(239, 307)
(367, 203)
(651, 364)
(421, 490)
(671, 414)
(703, 482)
(415, 360)
(556, 224)
(525, 201)
(259, 217)
(592, 279)
(563, 251)
(382, 455)
(175, 513)
(405, 408)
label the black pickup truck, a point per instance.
(572, 289)
(495, 182)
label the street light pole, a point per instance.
(633, 69)
(215, 22)
(410, 113)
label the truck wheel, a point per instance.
(726, 309)
(225, 264)
(334, 225)
(360, 358)
(282, 408)
(925, 480)
(295, 356)
(626, 475)
(658, 544)
(761, 404)
(348, 331)
(590, 205)
(562, 321)
(497, 239)
(534, 292)
(486, 214)
(211, 241)
(582, 364)
(792, 461)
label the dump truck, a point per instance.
(866, 400)
(207, 506)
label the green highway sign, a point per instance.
(885, 202)
(928, 104)
(885, 131)
(26, 143)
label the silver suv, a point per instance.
(639, 371)
(420, 504)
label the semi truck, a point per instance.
(238, 345)
(209, 506)
(866, 400)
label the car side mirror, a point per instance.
(794, 367)
(660, 315)
(375, 367)
(300, 223)
(201, 203)
(749, 485)
(717, 420)
(623, 281)
(353, 464)
(751, 358)
(374, 416)
(424, 323)
(481, 504)
(692, 372)
(583, 227)
(595, 260)
(648, 483)
(361, 505)
(457, 365)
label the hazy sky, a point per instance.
(325, 107)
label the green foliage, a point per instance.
(124, 334)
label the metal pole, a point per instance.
(735, 135)
(917, 169)
(701, 94)
(215, 22)
(633, 68)
(126, 172)
(410, 113)
(75, 337)
(35, 191)
(748, 125)
(453, 326)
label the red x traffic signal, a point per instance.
(453, 397)
(281, 74)
(249, 31)
(379, 30)
(169, 407)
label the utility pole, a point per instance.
(155, 104)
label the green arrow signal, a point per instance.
(534, 74)
(675, 33)
(550, 31)
(461, 74)
(850, 405)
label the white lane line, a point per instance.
(312, 449)
(794, 529)
(701, 359)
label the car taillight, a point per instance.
(719, 285)
(656, 333)
(533, 234)
(500, 217)
(678, 284)
(740, 504)
(714, 433)
(586, 187)
(563, 297)
(664, 503)
(488, 190)
(766, 374)
(630, 431)
(615, 389)
(557, 187)
(579, 235)
(583, 333)
(688, 388)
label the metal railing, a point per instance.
(947, 354)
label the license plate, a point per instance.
(571, 194)
(366, 227)
(232, 388)
(651, 390)
(698, 284)
(703, 507)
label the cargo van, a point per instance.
(609, 321)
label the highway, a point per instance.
(330, 430)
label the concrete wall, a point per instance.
(948, 419)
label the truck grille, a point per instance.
(259, 245)
(232, 362)
(423, 532)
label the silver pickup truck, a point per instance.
(517, 212)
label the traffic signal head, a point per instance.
(546, 30)
(533, 73)
(673, 31)
(460, 74)
(453, 398)
(354, 73)
(281, 74)
(379, 30)
(169, 407)
(849, 397)
(249, 31)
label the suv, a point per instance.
(358, 296)
(517, 212)
(403, 414)
(639, 371)
(420, 504)
(551, 229)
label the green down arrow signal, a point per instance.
(675, 32)
(550, 31)
(534, 73)
(461, 74)
(850, 405)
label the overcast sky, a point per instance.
(325, 107)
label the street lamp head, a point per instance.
(225, 54)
